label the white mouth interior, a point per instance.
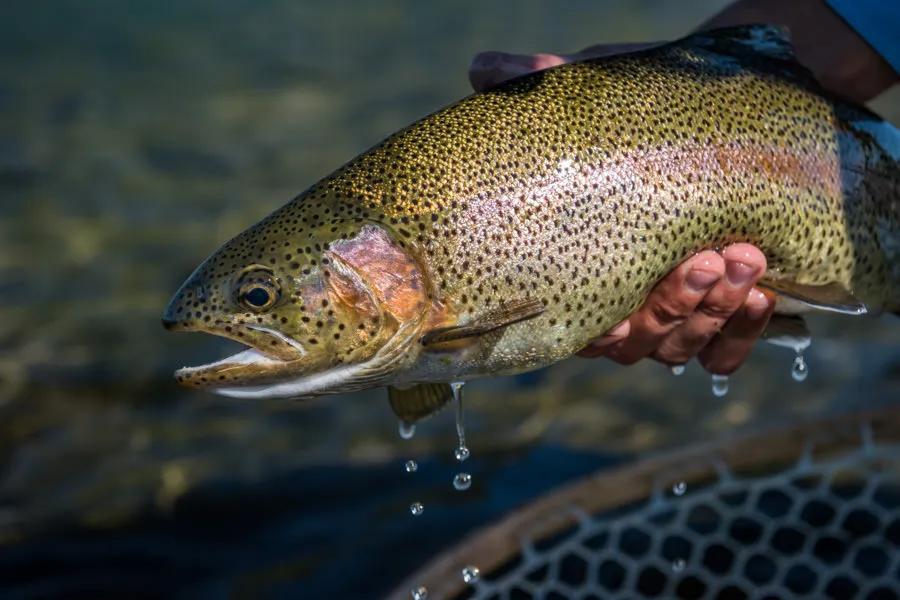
(249, 356)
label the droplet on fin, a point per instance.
(407, 430)
(719, 385)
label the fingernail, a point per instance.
(699, 280)
(739, 273)
(757, 304)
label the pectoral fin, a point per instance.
(419, 401)
(506, 314)
(831, 297)
(788, 332)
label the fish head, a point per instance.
(332, 309)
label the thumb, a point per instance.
(489, 69)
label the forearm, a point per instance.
(838, 57)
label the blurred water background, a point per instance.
(137, 136)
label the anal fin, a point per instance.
(506, 314)
(831, 297)
(419, 401)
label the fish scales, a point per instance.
(581, 186)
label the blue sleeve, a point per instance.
(877, 22)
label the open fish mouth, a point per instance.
(253, 374)
(283, 357)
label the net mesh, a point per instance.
(820, 528)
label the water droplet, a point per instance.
(470, 574)
(719, 385)
(407, 430)
(411, 466)
(677, 370)
(462, 481)
(416, 508)
(678, 565)
(462, 452)
(679, 488)
(419, 593)
(799, 370)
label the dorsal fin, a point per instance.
(773, 41)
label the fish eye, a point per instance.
(257, 296)
(260, 293)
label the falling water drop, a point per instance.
(470, 574)
(719, 385)
(416, 508)
(678, 565)
(462, 481)
(677, 370)
(419, 593)
(462, 452)
(799, 370)
(407, 430)
(411, 466)
(679, 488)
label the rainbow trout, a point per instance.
(500, 234)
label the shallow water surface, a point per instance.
(134, 138)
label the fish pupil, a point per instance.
(257, 296)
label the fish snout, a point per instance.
(187, 307)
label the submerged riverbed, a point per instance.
(134, 138)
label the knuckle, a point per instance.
(684, 345)
(668, 313)
(718, 312)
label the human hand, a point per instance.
(707, 307)
(493, 68)
(847, 65)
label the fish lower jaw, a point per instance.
(229, 369)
